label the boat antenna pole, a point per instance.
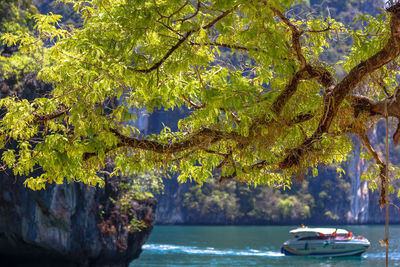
(386, 185)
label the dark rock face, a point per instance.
(170, 209)
(63, 226)
(28, 87)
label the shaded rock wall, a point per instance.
(169, 208)
(63, 226)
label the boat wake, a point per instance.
(165, 248)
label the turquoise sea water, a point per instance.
(252, 246)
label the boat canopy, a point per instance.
(305, 231)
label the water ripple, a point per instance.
(166, 248)
(392, 255)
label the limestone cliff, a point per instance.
(68, 225)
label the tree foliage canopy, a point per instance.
(263, 105)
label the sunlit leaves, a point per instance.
(368, 40)
(223, 62)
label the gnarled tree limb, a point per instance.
(339, 92)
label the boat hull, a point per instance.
(325, 248)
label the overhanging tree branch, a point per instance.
(336, 96)
(54, 115)
(201, 139)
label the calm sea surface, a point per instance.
(252, 246)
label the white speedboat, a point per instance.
(325, 242)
